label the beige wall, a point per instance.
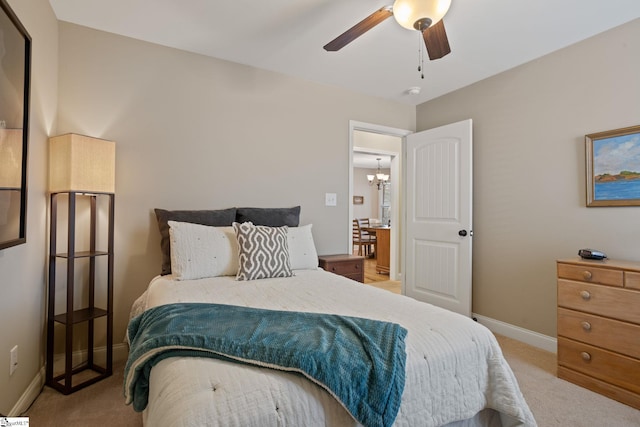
(22, 268)
(529, 170)
(194, 132)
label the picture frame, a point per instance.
(358, 200)
(15, 89)
(613, 167)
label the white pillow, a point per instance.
(302, 249)
(199, 251)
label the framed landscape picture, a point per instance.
(613, 167)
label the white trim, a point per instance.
(526, 336)
(375, 151)
(384, 130)
(120, 354)
(29, 395)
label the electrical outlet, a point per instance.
(14, 360)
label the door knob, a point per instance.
(462, 233)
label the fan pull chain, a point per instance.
(420, 56)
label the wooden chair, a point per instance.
(365, 223)
(362, 239)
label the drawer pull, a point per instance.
(585, 295)
(586, 326)
(587, 275)
(585, 356)
(333, 269)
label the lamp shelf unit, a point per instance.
(72, 317)
(82, 254)
(80, 316)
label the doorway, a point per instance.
(378, 141)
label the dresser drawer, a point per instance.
(620, 337)
(592, 274)
(345, 267)
(632, 280)
(618, 303)
(613, 368)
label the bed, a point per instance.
(453, 371)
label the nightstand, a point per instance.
(351, 266)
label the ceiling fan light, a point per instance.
(408, 12)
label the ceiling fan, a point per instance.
(421, 15)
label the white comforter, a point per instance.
(454, 368)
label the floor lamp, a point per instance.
(80, 166)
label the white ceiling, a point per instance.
(486, 36)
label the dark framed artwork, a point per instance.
(15, 78)
(358, 200)
(613, 167)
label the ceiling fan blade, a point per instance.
(435, 39)
(359, 29)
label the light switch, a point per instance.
(330, 199)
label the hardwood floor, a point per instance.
(372, 278)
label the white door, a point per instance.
(439, 177)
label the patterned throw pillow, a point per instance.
(263, 251)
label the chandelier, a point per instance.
(379, 179)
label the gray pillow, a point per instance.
(272, 217)
(216, 218)
(263, 252)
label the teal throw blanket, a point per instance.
(361, 362)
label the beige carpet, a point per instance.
(554, 402)
(100, 404)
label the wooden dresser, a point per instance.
(351, 266)
(599, 326)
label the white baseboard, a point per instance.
(30, 394)
(526, 336)
(120, 354)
